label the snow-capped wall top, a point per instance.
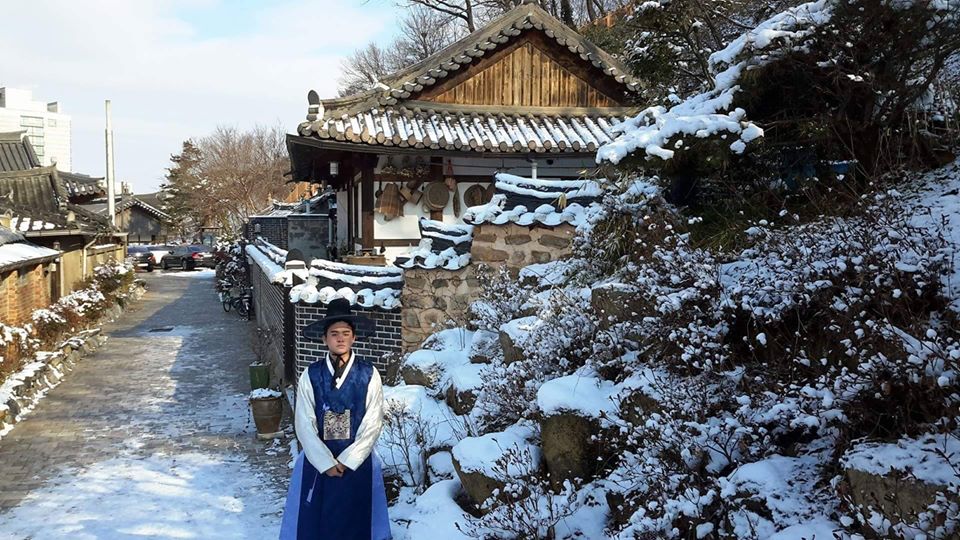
(443, 245)
(527, 201)
(365, 286)
(275, 253)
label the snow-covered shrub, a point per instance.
(500, 301)
(16, 344)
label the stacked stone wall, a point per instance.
(433, 298)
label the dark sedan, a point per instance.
(141, 258)
(188, 258)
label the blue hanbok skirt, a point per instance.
(292, 527)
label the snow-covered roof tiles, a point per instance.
(456, 130)
(364, 286)
(527, 202)
(442, 245)
(16, 251)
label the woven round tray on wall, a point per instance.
(436, 195)
(489, 192)
(473, 196)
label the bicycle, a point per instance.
(240, 299)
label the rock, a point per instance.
(619, 303)
(420, 375)
(484, 347)
(511, 352)
(488, 238)
(517, 239)
(540, 256)
(460, 402)
(486, 254)
(567, 448)
(440, 467)
(477, 486)
(13, 409)
(414, 282)
(892, 495)
(550, 240)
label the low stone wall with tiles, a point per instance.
(375, 349)
(516, 246)
(431, 298)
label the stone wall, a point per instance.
(431, 298)
(22, 291)
(375, 349)
(516, 246)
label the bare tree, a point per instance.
(364, 68)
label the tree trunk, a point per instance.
(566, 13)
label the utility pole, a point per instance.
(110, 178)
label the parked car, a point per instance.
(141, 258)
(188, 258)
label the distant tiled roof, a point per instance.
(128, 201)
(16, 152)
(37, 200)
(284, 209)
(81, 184)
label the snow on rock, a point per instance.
(588, 396)
(433, 514)
(444, 360)
(479, 454)
(785, 486)
(440, 467)
(922, 459)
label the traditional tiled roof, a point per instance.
(391, 115)
(527, 202)
(437, 128)
(16, 152)
(79, 185)
(364, 286)
(442, 245)
(284, 209)
(37, 200)
(129, 201)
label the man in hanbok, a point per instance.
(337, 492)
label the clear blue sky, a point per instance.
(175, 69)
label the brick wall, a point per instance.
(270, 309)
(23, 291)
(385, 341)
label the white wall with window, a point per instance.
(47, 128)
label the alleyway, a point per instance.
(150, 437)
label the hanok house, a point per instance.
(81, 188)
(140, 216)
(37, 205)
(526, 94)
(26, 276)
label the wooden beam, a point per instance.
(366, 205)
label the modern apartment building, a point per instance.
(47, 129)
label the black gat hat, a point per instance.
(338, 310)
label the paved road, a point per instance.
(151, 436)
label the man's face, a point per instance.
(339, 338)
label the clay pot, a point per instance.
(267, 413)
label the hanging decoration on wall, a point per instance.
(390, 204)
(473, 196)
(436, 195)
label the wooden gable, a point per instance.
(531, 72)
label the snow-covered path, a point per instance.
(151, 437)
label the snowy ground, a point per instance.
(151, 437)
